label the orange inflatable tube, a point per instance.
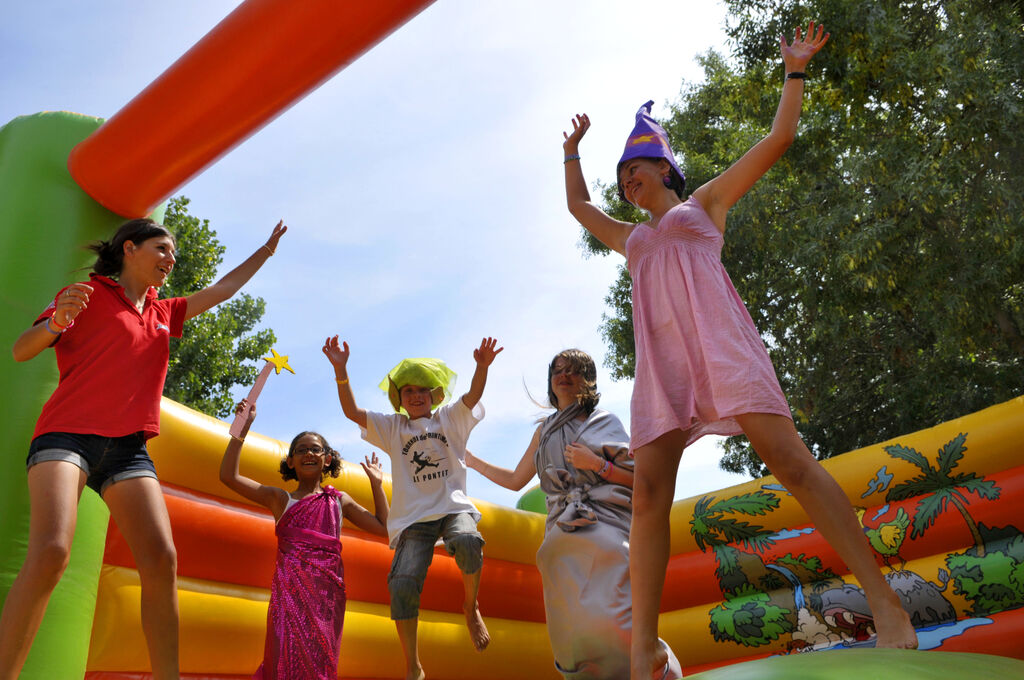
(263, 57)
(230, 543)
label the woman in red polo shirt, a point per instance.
(111, 338)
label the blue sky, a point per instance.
(422, 187)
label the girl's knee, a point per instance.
(158, 562)
(46, 563)
(652, 494)
(468, 550)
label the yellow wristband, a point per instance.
(341, 382)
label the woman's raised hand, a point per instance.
(279, 229)
(580, 125)
(797, 54)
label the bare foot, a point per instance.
(416, 674)
(477, 628)
(895, 631)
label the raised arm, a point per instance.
(338, 356)
(510, 479)
(69, 304)
(721, 193)
(271, 497)
(232, 282)
(605, 229)
(376, 523)
(484, 356)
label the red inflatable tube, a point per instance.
(258, 61)
(226, 542)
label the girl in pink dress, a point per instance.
(307, 594)
(701, 366)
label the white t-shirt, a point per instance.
(428, 463)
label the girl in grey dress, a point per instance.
(581, 455)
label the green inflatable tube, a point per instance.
(871, 664)
(45, 221)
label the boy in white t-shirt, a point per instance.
(428, 480)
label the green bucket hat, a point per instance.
(432, 373)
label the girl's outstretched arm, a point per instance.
(338, 356)
(271, 497)
(510, 479)
(722, 192)
(357, 514)
(232, 282)
(605, 229)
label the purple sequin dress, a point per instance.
(307, 595)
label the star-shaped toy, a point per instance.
(279, 362)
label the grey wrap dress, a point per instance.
(584, 559)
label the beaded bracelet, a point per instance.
(49, 328)
(606, 470)
(571, 157)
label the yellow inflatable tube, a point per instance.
(223, 628)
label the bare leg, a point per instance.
(654, 482)
(474, 621)
(54, 489)
(137, 506)
(407, 636)
(779, 445)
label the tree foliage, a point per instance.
(209, 359)
(882, 258)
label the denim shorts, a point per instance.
(415, 552)
(104, 460)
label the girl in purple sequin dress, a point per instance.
(307, 595)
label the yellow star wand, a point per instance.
(276, 362)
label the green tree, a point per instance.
(882, 258)
(209, 359)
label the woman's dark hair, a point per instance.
(676, 182)
(581, 364)
(110, 254)
(333, 468)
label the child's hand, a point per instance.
(276, 235)
(797, 55)
(582, 458)
(336, 354)
(250, 416)
(373, 470)
(580, 125)
(485, 354)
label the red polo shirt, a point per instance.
(112, 363)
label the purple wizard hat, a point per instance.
(647, 140)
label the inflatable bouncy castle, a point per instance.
(748, 579)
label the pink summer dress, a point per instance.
(699, 359)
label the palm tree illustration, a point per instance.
(939, 487)
(712, 529)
